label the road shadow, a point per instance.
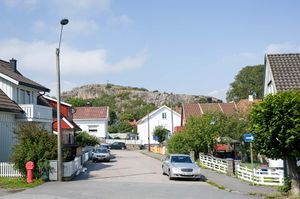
(93, 166)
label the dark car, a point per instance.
(118, 145)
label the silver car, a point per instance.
(180, 166)
(101, 154)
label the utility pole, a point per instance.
(59, 133)
(148, 133)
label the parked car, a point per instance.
(105, 146)
(101, 154)
(118, 145)
(180, 166)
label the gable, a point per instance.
(17, 78)
(158, 112)
(7, 105)
(285, 69)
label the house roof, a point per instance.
(6, 70)
(66, 124)
(55, 100)
(153, 112)
(86, 113)
(198, 109)
(7, 105)
(286, 70)
(244, 105)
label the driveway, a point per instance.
(131, 175)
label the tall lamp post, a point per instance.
(59, 136)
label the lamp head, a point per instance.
(64, 22)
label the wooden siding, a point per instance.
(7, 140)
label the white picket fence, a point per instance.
(133, 142)
(266, 176)
(7, 170)
(213, 163)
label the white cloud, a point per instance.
(122, 20)
(39, 26)
(71, 7)
(15, 3)
(39, 58)
(220, 94)
(285, 47)
(86, 27)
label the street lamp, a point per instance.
(59, 136)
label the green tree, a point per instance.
(180, 143)
(36, 144)
(275, 123)
(161, 133)
(85, 139)
(248, 81)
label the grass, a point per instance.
(18, 183)
(215, 184)
(247, 164)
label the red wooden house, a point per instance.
(68, 126)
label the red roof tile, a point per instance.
(91, 113)
(190, 110)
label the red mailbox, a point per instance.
(29, 167)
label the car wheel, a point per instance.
(163, 171)
(123, 148)
(169, 174)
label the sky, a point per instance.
(180, 46)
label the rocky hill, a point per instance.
(133, 93)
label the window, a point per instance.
(93, 128)
(27, 97)
(22, 96)
(164, 115)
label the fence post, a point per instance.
(229, 166)
(236, 163)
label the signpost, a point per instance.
(250, 138)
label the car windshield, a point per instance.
(102, 150)
(181, 159)
(104, 146)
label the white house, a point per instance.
(282, 73)
(19, 103)
(93, 120)
(159, 117)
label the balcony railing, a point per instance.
(35, 113)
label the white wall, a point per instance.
(102, 127)
(7, 136)
(157, 120)
(269, 89)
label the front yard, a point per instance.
(18, 183)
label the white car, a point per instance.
(180, 166)
(101, 154)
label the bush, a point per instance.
(287, 185)
(161, 133)
(85, 139)
(180, 143)
(36, 144)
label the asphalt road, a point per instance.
(131, 175)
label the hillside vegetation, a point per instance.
(126, 103)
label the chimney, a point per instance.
(13, 64)
(250, 98)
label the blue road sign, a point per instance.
(248, 137)
(155, 138)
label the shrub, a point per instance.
(180, 143)
(85, 139)
(36, 144)
(161, 133)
